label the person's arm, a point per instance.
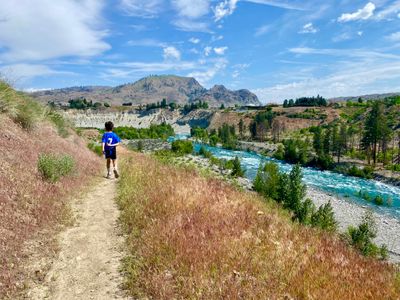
(103, 143)
(113, 145)
(118, 140)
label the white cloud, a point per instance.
(360, 53)
(45, 29)
(394, 37)
(360, 33)
(205, 76)
(235, 74)
(225, 8)
(139, 8)
(362, 14)
(126, 69)
(22, 72)
(390, 11)
(280, 4)
(220, 50)
(171, 53)
(191, 9)
(262, 30)
(207, 51)
(350, 80)
(342, 37)
(191, 26)
(309, 28)
(146, 43)
(194, 40)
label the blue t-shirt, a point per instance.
(110, 138)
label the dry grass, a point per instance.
(29, 204)
(197, 238)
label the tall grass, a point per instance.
(53, 167)
(196, 238)
(27, 112)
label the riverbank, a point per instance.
(350, 214)
(346, 213)
(268, 149)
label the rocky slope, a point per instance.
(181, 90)
(180, 122)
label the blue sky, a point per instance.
(277, 49)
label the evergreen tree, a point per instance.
(375, 129)
(297, 189)
(324, 218)
(241, 128)
(318, 141)
(237, 170)
(327, 141)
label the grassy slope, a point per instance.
(29, 204)
(197, 238)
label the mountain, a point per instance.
(181, 90)
(364, 97)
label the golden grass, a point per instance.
(196, 238)
(29, 204)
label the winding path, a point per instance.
(90, 251)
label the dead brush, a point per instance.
(196, 238)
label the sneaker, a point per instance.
(116, 173)
(108, 176)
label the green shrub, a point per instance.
(140, 146)
(182, 147)
(96, 148)
(203, 152)
(267, 180)
(237, 170)
(378, 200)
(304, 212)
(361, 237)
(324, 218)
(280, 153)
(52, 167)
(60, 123)
(161, 131)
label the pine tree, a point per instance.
(241, 128)
(318, 141)
(297, 189)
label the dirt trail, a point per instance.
(90, 251)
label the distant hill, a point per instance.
(181, 90)
(364, 97)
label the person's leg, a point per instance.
(115, 168)
(108, 167)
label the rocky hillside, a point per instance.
(181, 90)
(364, 97)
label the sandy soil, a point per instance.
(90, 251)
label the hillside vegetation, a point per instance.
(43, 162)
(195, 238)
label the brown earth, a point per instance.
(90, 251)
(29, 204)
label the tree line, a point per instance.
(306, 101)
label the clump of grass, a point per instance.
(60, 122)
(53, 167)
(96, 148)
(24, 111)
(196, 238)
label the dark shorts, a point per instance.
(111, 153)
